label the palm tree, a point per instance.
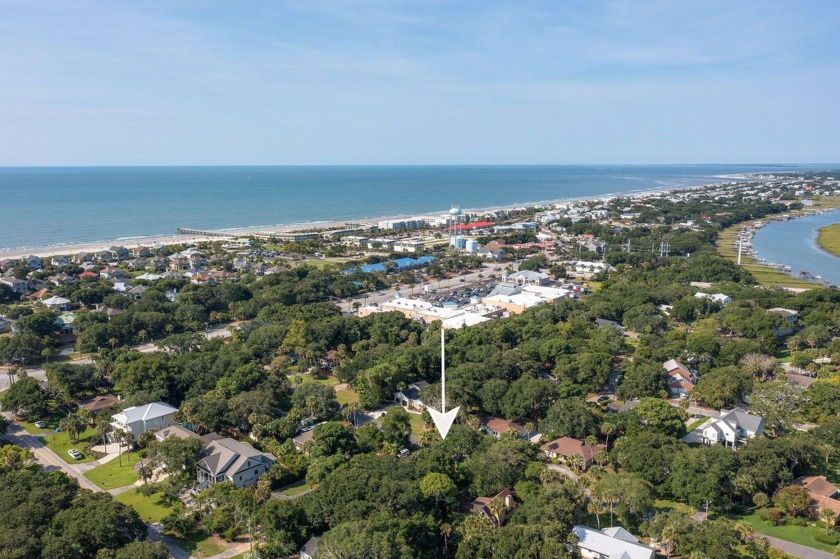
(113, 342)
(829, 517)
(102, 430)
(74, 425)
(576, 462)
(596, 507)
(128, 439)
(529, 427)
(497, 507)
(354, 408)
(607, 429)
(144, 471)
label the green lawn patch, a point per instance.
(803, 535)
(346, 396)
(295, 488)
(417, 425)
(829, 238)
(663, 504)
(150, 509)
(198, 544)
(695, 424)
(119, 472)
(60, 444)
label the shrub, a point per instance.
(829, 539)
(774, 516)
(796, 521)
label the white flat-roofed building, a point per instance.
(451, 316)
(410, 245)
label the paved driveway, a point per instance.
(796, 550)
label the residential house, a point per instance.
(80, 257)
(141, 252)
(565, 447)
(732, 427)
(61, 279)
(309, 549)
(88, 274)
(17, 285)
(99, 403)
(118, 252)
(137, 291)
(57, 303)
(484, 506)
(33, 262)
(789, 317)
(496, 427)
(234, 461)
(719, 298)
(110, 273)
(410, 397)
(103, 256)
(305, 437)
(823, 495)
(491, 253)
(61, 260)
(610, 543)
(177, 431)
(681, 379)
(605, 323)
(65, 323)
(139, 419)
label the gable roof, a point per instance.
(672, 365)
(816, 484)
(739, 417)
(228, 456)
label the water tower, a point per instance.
(456, 240)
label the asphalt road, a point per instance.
(796, 550)
(46, 457)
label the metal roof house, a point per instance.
(139, 419)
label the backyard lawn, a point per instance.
(60, 444)
(346, 396)
(803, 535)
(150, 509)
(119, 472)
(417, 425)
(198, 544)
(295, 488)
(695, 424)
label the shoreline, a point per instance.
(234, 232)
(822, 241)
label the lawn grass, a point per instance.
(295, 488)
(417, 424)
(803, 535)
(150, 509)
(662, 504)
(198, 544)
(695, 424)
(346, 396)
(60, 444)
(829, 238)
(112, 475)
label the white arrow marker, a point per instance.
(443, 419)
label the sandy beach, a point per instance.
(227, 234)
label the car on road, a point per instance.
(40, 424)
(74, 454)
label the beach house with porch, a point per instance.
(231, 460)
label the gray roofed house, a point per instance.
(176, 431)
(137, 291)
(732, 427)
(310, 548)
(410, 397)
(234, 461)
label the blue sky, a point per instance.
(472, 82)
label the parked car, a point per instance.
(40, 424)
(74, 454)
(403, 453)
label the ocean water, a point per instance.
(48, 206)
